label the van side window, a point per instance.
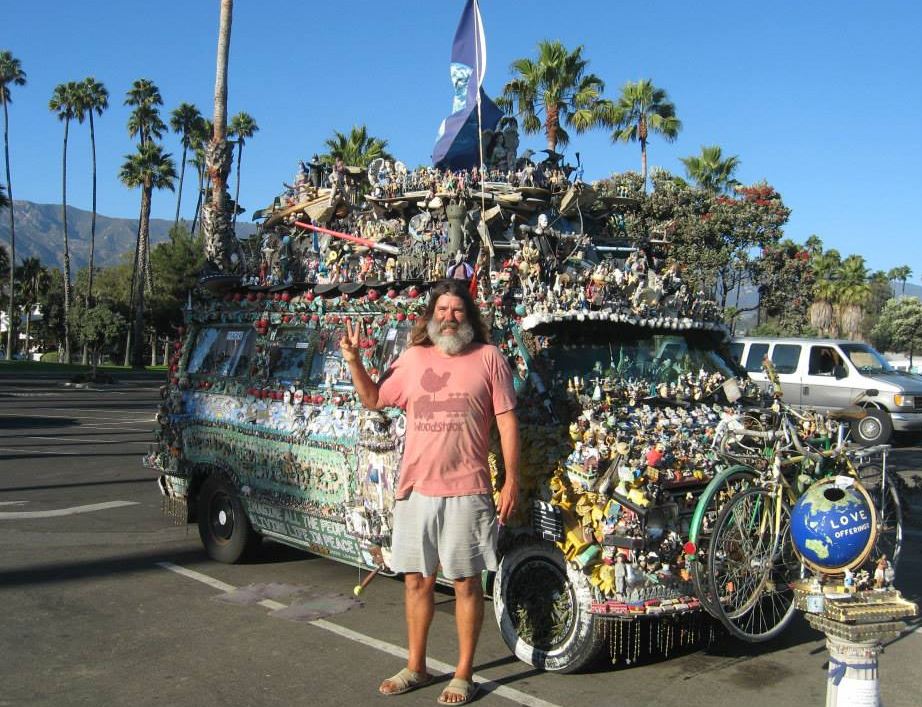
(785, 357)
(754, 359)
(823, 360)
(291, 353)
(222, 351)
(736, 350)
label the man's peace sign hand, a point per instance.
(349, 343)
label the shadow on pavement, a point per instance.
(61, 572)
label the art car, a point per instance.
(623, 377)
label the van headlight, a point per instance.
(901, 400)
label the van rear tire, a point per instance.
(223, 525)
(875, 428)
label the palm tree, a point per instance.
(145, 120)
(33, 281)
(94, 99)
(185, 120)
(243, 127)
(218, 236)
(358, 148)
(814, 244)
(854, 291)
(11, 74)
(146, 123)
(557, 87)
(200, 139)
(149, 168)
(643, 109)
(711, 171)
(901, 273)
(65, 101)
(826, 272)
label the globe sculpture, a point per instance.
(834, 526)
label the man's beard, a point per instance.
(450, 338)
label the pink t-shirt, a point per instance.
(450, 403)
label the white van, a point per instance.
(832, 374)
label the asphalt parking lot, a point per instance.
(105, 601)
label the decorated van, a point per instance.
(622, 376)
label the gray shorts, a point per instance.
(456, 532)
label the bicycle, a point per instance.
(743, 565)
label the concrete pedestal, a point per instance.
(855, 626)
(852, 679)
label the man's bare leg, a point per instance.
(419, 598)
(468, 619)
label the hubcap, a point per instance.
(870, 428)
(222, 517)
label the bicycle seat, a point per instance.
(850, 413)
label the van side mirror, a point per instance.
(840, 372)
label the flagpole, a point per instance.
(478, 30)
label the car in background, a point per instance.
(835, 374)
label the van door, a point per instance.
(823, 385)
(786, 358)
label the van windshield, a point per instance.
(866, 359)
(656, 358)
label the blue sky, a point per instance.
(822, 99)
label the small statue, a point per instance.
(620, 574)
(883, 573)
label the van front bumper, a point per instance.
(906, 421)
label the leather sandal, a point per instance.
(466, 689)
(404, 681)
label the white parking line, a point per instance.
(91, 441)
(486, 684)
(41, 451)
(73, 510)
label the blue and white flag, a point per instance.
(457, 146)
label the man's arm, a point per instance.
(508, 425)
(366, 388)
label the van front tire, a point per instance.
(875, 428)
(223, 525)
(542, 609)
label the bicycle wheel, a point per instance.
(751, 567)
(718, 493)
(889, 514)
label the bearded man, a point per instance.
(453, 384)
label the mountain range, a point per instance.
(39, 234)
